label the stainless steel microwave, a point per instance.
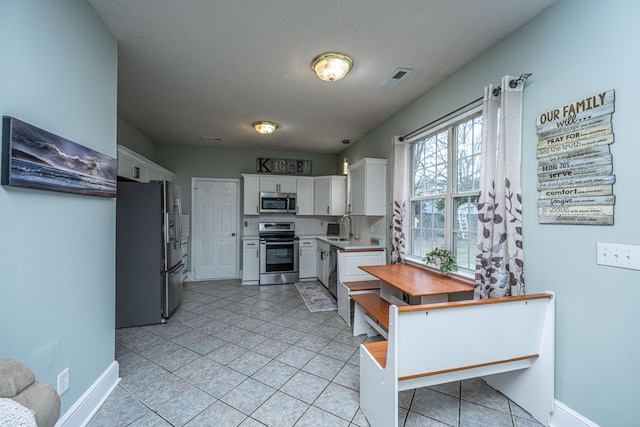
(277, 202)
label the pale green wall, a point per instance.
(210, 162)
(57, 264)
(189, 161)
(135, 140)
(574, 49)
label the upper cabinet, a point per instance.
(330, 195)
(320, 195)
(251, 197)
(133, 166)
(302, 186)
(304, 195)
(368, 187)
(278, 184)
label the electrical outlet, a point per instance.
(63, 381)
(616, 255)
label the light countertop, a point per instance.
(332, 240)
(350, 244)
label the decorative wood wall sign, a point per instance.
(575, 165)
(283, 166)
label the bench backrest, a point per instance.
(432, 338)
(349, 263)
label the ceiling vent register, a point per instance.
(397, 75)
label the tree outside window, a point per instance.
(445, 182)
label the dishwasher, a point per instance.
(333, 270)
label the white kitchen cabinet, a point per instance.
(128, 167)
(307, 261)
(330, 195)
(156, 173)
(278, 184)
(250, 261)
(368, 184)
(251, 194)
(133, 166)
(322, 265)
(304, 195)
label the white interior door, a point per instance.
(215, 228)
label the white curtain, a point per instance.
(400, 201)
(499, 260)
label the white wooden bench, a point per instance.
(346, 290)
(508, 341)
(352, 280)
(371, 315)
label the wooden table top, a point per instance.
(416, 281)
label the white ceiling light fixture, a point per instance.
(332, 66)
(264, 128)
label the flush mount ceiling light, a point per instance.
(265, 128)
(331, 66)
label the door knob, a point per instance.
(233, 234)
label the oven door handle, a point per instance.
(291, 242)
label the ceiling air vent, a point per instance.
(212, 138)
(397, 75)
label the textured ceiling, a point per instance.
(209, 68)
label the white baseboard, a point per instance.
(563, 416)
(88, 404)
(92, 399)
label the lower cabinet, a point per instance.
(307, 263)
(251, 262)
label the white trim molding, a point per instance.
(563, 416)
(88, 404)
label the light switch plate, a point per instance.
(616, 255)
(63, 381)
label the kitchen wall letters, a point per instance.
(283, 166)
(575, 165)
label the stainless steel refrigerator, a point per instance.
(148, 252)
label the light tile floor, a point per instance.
(234, 355)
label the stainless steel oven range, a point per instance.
(278, 253)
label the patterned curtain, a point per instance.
(499, 258)
(400, 201)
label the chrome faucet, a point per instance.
(342, 225)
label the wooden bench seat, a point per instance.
(378, 350)
(363, 285)
(431, 344)
(346, 291)
(376, 307)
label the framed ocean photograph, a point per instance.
(35, 158)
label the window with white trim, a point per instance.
(444, 189)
